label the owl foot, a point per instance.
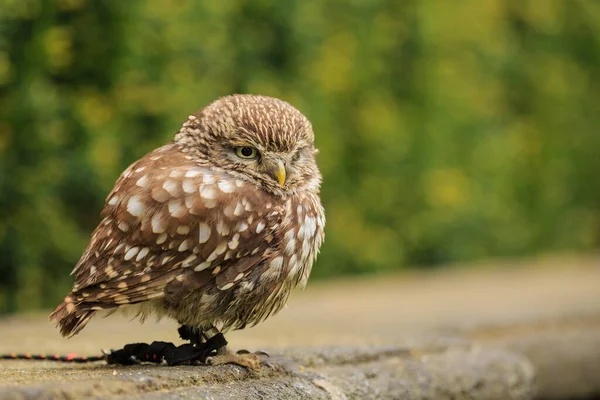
(226, 356)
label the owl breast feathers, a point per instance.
(199, 232)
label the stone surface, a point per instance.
(529, 330)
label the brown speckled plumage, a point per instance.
(194, 232)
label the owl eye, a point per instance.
(246, 152)
(299, 153)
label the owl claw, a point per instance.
(260, 353)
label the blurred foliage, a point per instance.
(448, 130)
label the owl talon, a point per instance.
(260, 353)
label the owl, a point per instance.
(214, 229)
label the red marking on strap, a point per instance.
(71, 356)
(13, 355)
(27, 355)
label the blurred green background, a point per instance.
(449, 131)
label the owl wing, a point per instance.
(170, 222)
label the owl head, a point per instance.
(261, 139)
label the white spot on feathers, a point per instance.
(158, 224)
(188, 261)
(274, 270)
(301, 232)
(276, 263)
(293, 265)
(204, 232)
(208, 179)
(241, 227)
(110, 272)
(290, 242)
(142, 181)
(131, 253)
(176, 208)
(202, 266)
(210, 203)
(185, 245)
(192, 173)
(239, 208)
(208, 192)
(305, 248)
(189, 186)
(170, 186)
(260, 226)
(225, 186)
(135, 206)
(234, 242)
(143, 253)
(160, 195)
(183, 229)
(161, 238)
(124, 226)
(222, 228)
(218, 251)
(310, 226)
(245, 286)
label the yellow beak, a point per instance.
(280, 173)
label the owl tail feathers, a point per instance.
(71, 317)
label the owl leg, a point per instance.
(191, 333)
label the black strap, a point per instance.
(156, 352)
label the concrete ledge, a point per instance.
(345, 373)
(553, 360)
(509, 334)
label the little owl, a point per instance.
(213, 229)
